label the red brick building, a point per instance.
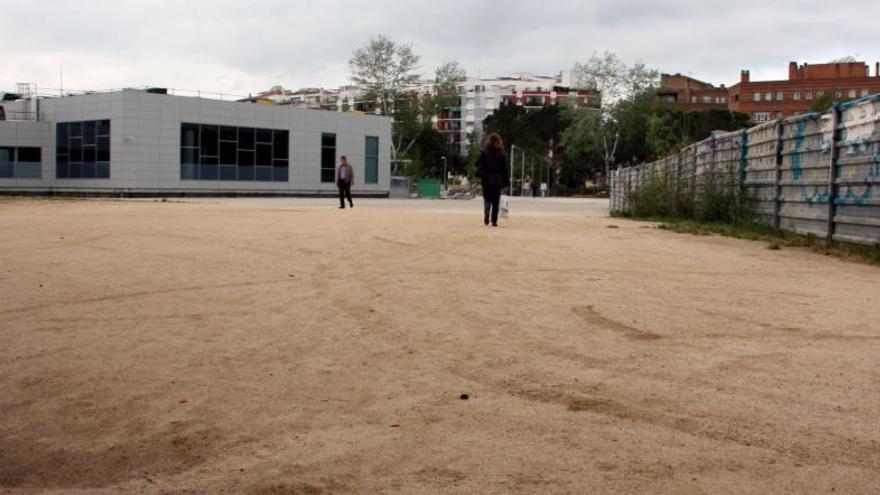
(688, 93)
(767, 100)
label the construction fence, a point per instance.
(817, 173)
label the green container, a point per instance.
(429, 188)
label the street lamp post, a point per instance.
(512, 149)
(445, 175)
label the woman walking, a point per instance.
(494, 175)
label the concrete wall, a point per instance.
(145, 143)
(814, 174)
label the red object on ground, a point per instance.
(184, 401)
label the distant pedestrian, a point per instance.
(344, 180)
(494, 175)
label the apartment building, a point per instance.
(480, 97)
(768, 100)
(689, 94)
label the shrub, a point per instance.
(652, 199)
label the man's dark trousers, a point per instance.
(344, 193)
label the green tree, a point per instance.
(670, 129)
(528, 130)
(384, 68)
(447, 78)
(613, 79)
(623, 91)
(664, 134)
(473, 152)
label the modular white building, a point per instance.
(137, 142)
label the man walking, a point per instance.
(344, 179)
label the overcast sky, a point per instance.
(241, 47)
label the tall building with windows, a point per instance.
(767, 100)
(480, 97)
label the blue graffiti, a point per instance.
(850, 198)
(874, 171)
(797, 170)
(817, 197)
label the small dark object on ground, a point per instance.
(613, 227)
(464, 397)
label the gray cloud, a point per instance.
(242, 47)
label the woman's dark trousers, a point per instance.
(491, 198)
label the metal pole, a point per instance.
(832, 172)
(522, 173)
(512, 148)
(445, 175)
(777, 177)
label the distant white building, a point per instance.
(477, 99)
(480, 97)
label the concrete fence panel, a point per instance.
(812, 174)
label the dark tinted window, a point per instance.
(264, 136)
(245, 157)
(7, 162)
(371, 160)
(245, 172)
(228, 152)
(208, 139)
(103, 149)
(246, 138)
(280, 145)
(82, 150)
(263, 173)
(242, 153)
(89, 155)
(264, 154)
(189, 135)
(89, 135)
(328, 157)
(29, 155)
(228, 133)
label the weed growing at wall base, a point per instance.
(716, 200)
(719, 208)
(776, 238)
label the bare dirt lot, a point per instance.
(284, 346)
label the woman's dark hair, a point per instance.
(494, 142)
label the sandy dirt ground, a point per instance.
(284, 346)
